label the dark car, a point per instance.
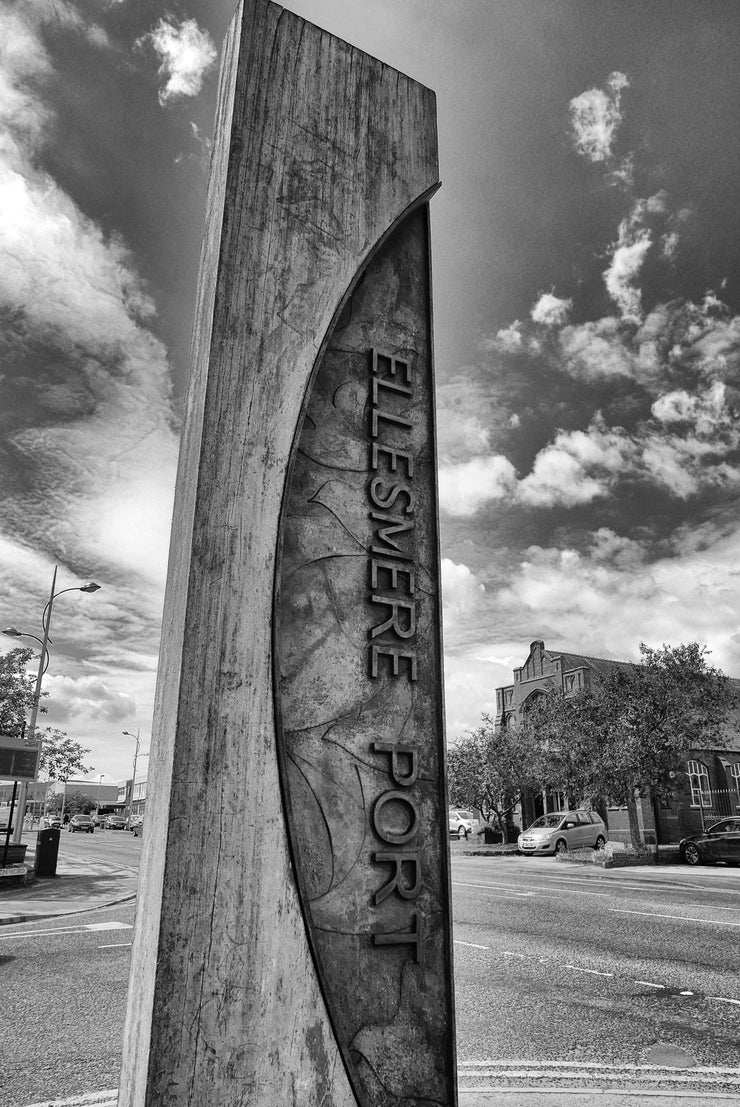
(81, 822)
(114, 822)
(720, 842)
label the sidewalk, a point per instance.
(78, 886)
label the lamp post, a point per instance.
(91, 586)
(133, 775)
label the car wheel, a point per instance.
(462, 834)
(691, 854)
(561, 846)
(600, 842)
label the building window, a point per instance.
(699, 781)
(735, 773)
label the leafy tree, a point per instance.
(16, 691)
(61, 756)
(75, 803)
(487, 768)
(632, 732)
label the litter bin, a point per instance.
(47, 851)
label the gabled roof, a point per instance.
(600, 665)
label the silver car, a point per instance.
(563, 830)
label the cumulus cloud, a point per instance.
(705, 411)
(605, 605)
(90, 697)
(509, 338)
(465, 486)
(628, 256)
(595, 117)
(461, 592)
(186, 53)
(550, 310)
(577, 467)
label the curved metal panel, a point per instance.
(360, 734)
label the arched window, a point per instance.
(735, 774)
(699, 781)
(532, 701)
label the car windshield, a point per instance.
(549, 821)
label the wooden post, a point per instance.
(292, 941)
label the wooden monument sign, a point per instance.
(293, 944)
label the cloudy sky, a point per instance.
(587, 325)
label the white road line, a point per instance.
(681, 918)
(89, 928)
(117, 945)
(579, 968)
(594, 972)
(714, 906)
(543, 895)
(107, 1098)
(596, 1066)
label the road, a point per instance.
(560, 970)
(561, 963)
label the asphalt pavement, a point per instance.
(85, 883)
(81, 884)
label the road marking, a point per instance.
(591, 972)
(117, 945)
(89, 928)
(714, 906)
(544, 895)
(594, 972)
(681, 918)
(597, 1066)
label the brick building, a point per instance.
(712, 784)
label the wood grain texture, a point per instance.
(319, 150)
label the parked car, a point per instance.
(719, 842)
(460, 823)
(113, 822)
(52, 821)
(560, 831)
(81, 822)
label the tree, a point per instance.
(61, 756)
(75, 803)
(632, 732)
(487, 768)
(16, 692)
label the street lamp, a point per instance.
(12, 632)
(133, 776)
